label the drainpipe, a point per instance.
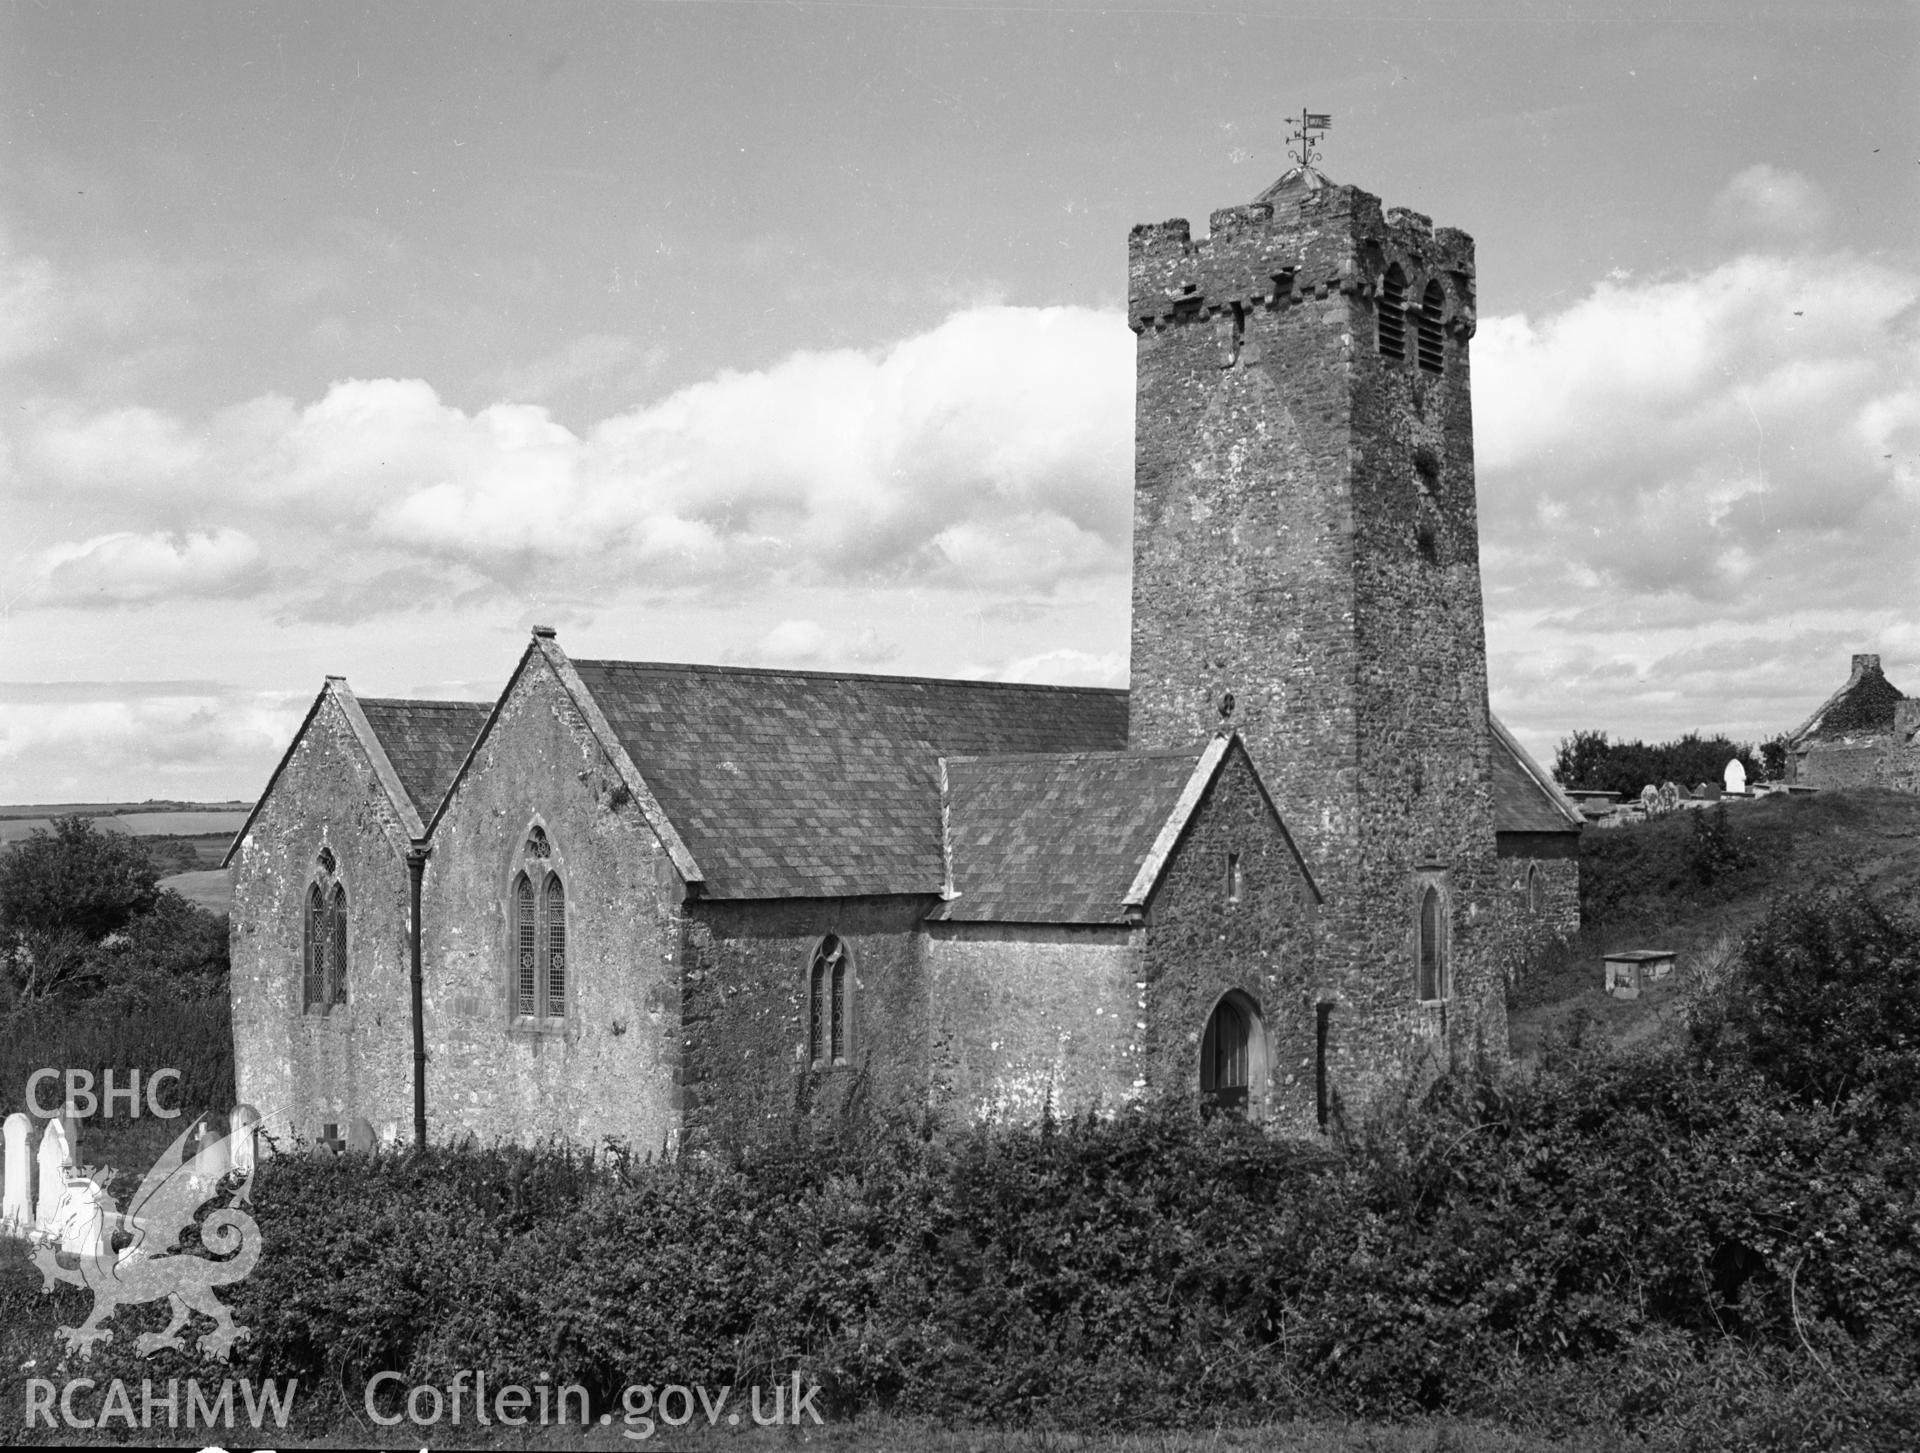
(416, 870)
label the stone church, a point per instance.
(680, 905)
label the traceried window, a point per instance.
(1427, 326)
(324, 978)
(539, 935)
(526, 949)
(555, 981)
(829, 1005)
(1390, 314)
(1431, 950)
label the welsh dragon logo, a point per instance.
(154, 1265)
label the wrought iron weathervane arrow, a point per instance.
(1313, 125)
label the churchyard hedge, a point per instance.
(1674, 1245)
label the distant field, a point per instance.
(198, 821)
(210, 888)
(116, 809)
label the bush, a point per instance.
(1705, 1245)
(74, 878)
(1827, 1007)
(81, 912)
(1662, 870)
(193, 1034)
(1575, 1249)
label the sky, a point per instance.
(357, 339)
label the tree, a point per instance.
(175, 943)
(1588, 760)
(1773, 758)
(63, 893)
(75, 878)
(1578, 758)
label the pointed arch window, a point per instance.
(1533, 890)
(1432, 947)
(1427, 325)
(1390, 314)
(526, 950)
(555, 981)
(539, 937)
(829, 1005)
(324, 975)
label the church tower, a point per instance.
(1306, 569)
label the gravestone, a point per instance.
(56, 1155)
(16, 1210)
(360, 1135)
(1735, 778)
(81, 1221)
(246, 1137)
(209, 1147)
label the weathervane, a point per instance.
(1313, 124)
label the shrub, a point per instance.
(74, 877)
(1662, 870)
(1827, 1007)
(126, 1032)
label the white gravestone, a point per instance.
(56, 1154)
(82, 1219)
(1735, 777)
(210, 1151)
(16, 1210)
(246, 1133)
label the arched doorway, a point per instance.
(1233, 1058)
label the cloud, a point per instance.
(50, 308)
(596, 362)
(810, 645)
(1697, 492)
(122, 568)
(133, 450)
(139, 740)
(993, 450)
(1772, 204)
(29, 303)
(1063, 667)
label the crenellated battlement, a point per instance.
(1293, 245)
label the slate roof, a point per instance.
(1056, 838)
(426, 741)
(1864, 705)
(819, 784)
(1525, 798)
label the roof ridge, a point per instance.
(1129, 753)
(698, 666)
(421, 701)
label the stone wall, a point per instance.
(1022, 1016)
(1866, 761)
(745, 1007)
(611, 1069)
(1306, 542)
(1550, 911)
(305, 1068)
(1199, 946)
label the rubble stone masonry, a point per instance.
(1306, 547)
